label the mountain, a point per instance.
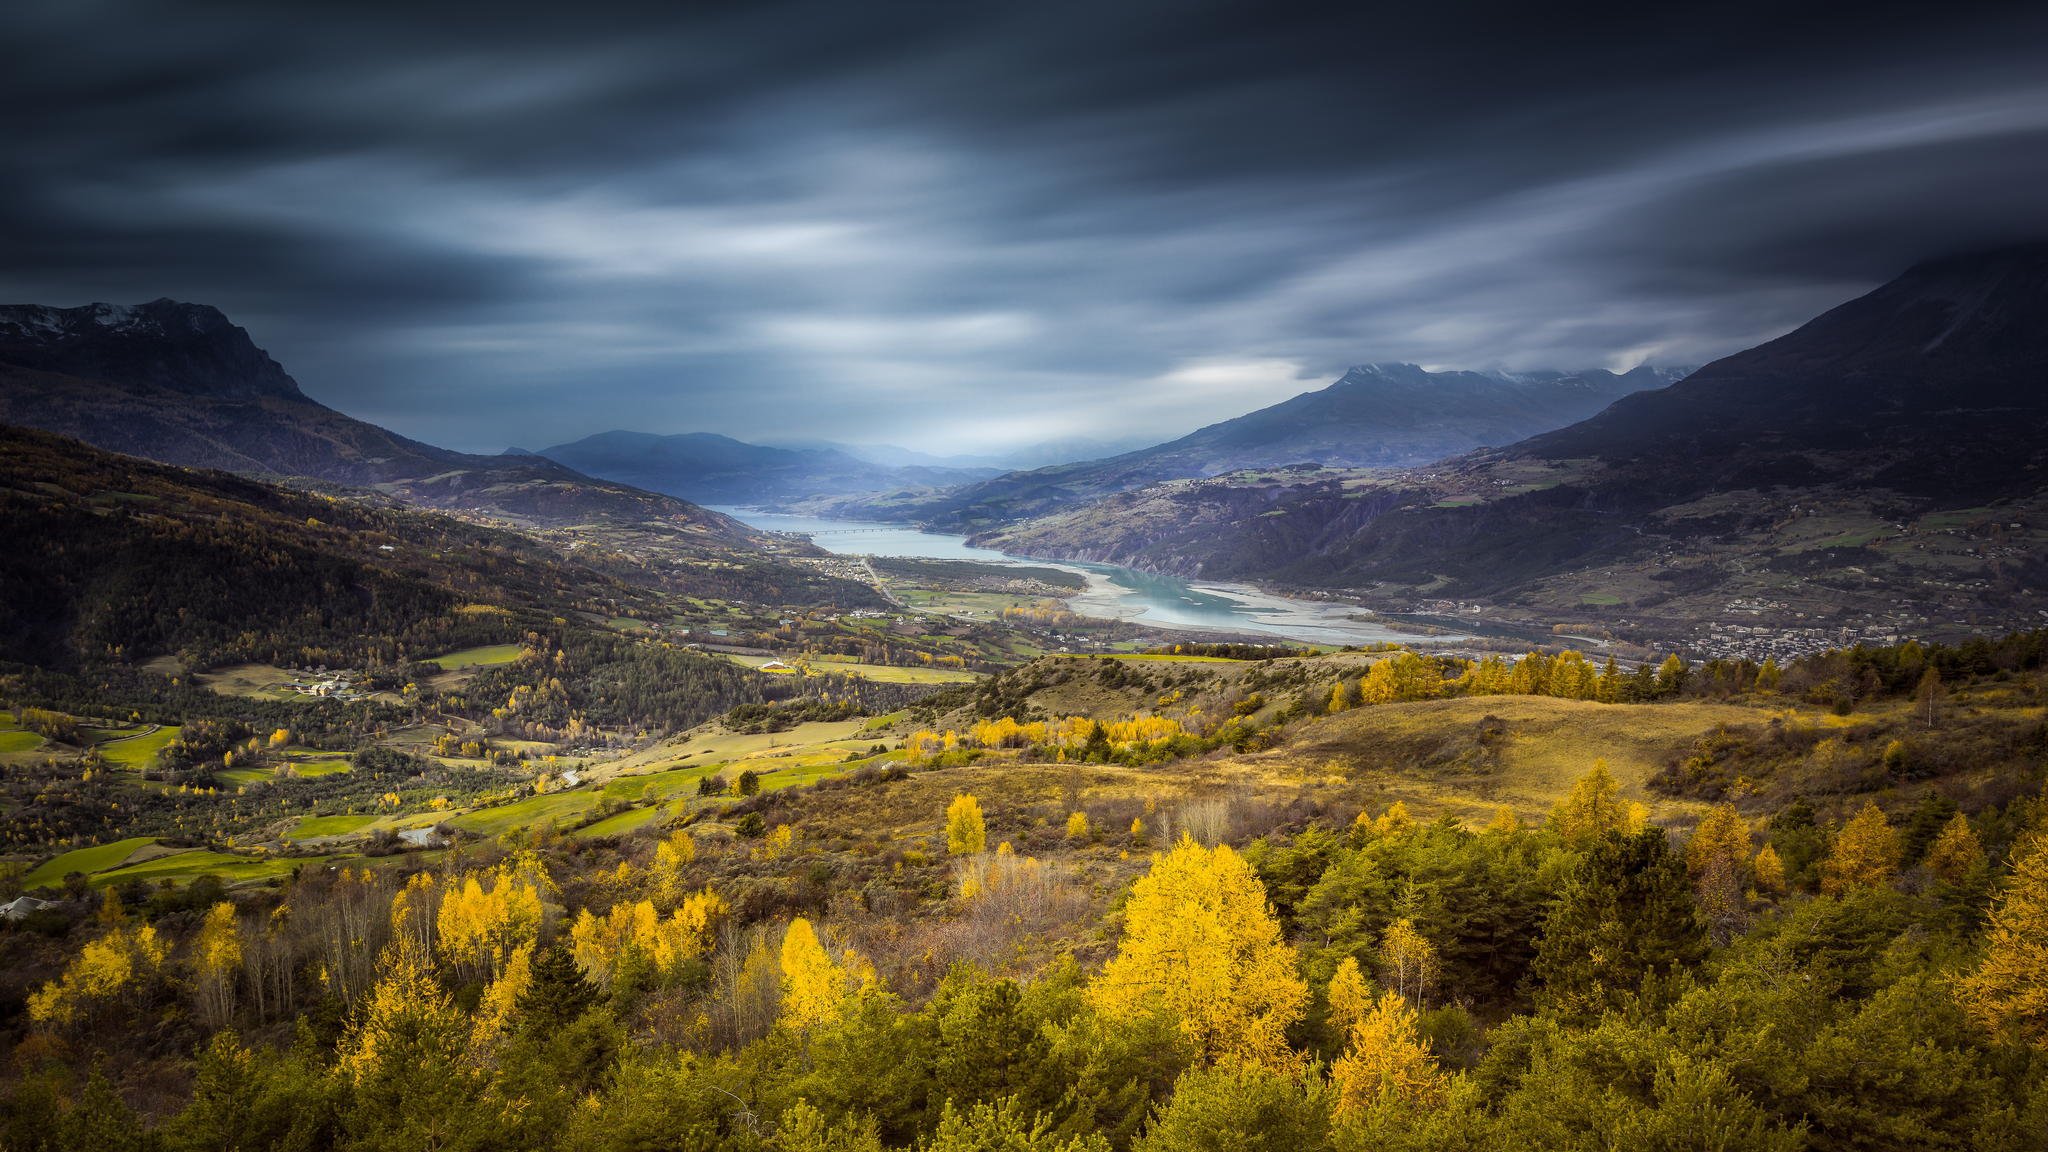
(1880, 471)
(713, 469)
(119, 554)
(1376, 415)
(180, 383)
(1043, 454)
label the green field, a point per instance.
(97, 858)
(15, 740)
(477, 657)
(1172, 658)
(555, 807)
(630, 820)
(313, 826)
(880, 673)
(138, 752)
(320, 764)
(201, 862)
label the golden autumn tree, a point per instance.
(1769, 869)
(1408, 961)
(1592, 809)
(1956, 852)
(119, 963)
(1386, 1062)
(1201, 942)
(489, 915)
(2008, 991)
(966, 831)
(216, 961)
(1714, 859)
(1349, 995)
(493, 1020)
(814, 987)
(1866, 852)
(634, 937)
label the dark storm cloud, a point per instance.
(957, 225)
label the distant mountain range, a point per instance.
(179, 383)
(713, 469)
(1048, 452)
(1883, 467)
(1376, 415)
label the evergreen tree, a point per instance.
(559, 993)
(1626, 914)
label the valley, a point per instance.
(532, 808)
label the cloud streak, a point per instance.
(961, 227)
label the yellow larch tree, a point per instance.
(407, 1020)
(1201, 942)
(1349, 995)
(1592, 809)
(2008, 991)
(1956, 852)
(966, 830)
(494, 1012)
(1715, 858)
(1769, 869)
(1386, 1063)
(1866, 852)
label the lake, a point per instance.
(1113, 591)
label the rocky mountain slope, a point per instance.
(1879, 470)
(181, 384)
(1376, 415)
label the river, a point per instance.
(1113, 591)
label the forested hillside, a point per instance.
(1758, 908)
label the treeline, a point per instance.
(1232, 651)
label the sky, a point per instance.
(966, 227)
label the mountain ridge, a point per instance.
(1379, 415)
(182, 384)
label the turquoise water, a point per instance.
(1142, 597)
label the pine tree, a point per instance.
(1626, 914)
(1201, 942)
(966, 831)
(558, 992)
(1866, 852)
(2008, 992)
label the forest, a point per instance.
(1047, 961)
